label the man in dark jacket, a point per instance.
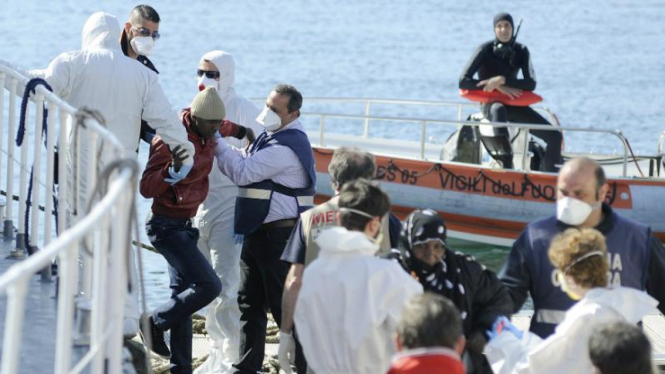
(497, 64)
(137, 40)
(636, 257)
(175, 202)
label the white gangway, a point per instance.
(96, 236)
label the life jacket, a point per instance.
(324, 216)
(253, 201)
(628, 257)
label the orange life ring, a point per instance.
(527, 98)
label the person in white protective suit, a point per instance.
(214, 218)
(100, 77)
(351, 301)
(580, 256)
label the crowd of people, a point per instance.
(353, 289)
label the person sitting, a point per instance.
(351, 301)
(429, 337)
(620, 348)
(580, 257)
(475, 290)
(497, 63)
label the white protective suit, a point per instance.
(567, 350)
(215, 222)
(349, 305)
(101, 77)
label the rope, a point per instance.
(31, 87)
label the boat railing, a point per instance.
(425, 122)
(87, 231)
(368, 104)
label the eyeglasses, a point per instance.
(146, 32)
(209, 74)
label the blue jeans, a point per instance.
(194, 284)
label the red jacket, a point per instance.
(427, 361)
(183, 198)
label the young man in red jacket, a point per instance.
(194, 283)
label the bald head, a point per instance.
(584, 167)
(583, 179)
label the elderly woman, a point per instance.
(474, 290)
(580, 256)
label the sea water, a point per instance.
(597, 63)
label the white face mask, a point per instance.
(573, 211)
(207, 82)
(269, 119)
(143, 45)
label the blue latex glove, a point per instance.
(503, 323)
(178, 176)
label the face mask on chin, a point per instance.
(143, 45)
(204, 82)
(269, 119)
(566, 288)
(573, 212)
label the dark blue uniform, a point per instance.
(636, 259)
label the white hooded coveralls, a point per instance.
(349, 305)
(567, 350)
(101, 77)
(214, 220)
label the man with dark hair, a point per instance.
(351, 301)
(430, 337)
(276, 182)
(620, 348)
(636, 256)
(137, 40)
(347, 165)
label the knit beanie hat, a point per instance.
(208, 105)
(504, 17)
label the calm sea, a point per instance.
(598, 63)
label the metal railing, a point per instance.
(367, 104)
(105, 275)
(424, 122)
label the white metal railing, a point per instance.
(424, 122)
(104, 270)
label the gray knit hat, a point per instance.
(208, 105)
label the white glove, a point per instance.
(287, 351)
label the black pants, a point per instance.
(262, 277)
(497, 112)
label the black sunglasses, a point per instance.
(208, 73)
(145, 32)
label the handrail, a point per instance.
(77, 173)
(368, 101)
(426, 121)
(36, 262)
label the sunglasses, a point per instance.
(208, 73)
(145, 32)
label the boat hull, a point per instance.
(491, 205)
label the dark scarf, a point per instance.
(443, 278)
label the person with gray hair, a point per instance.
(620, 348)
(348, 164)
(430, 337)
